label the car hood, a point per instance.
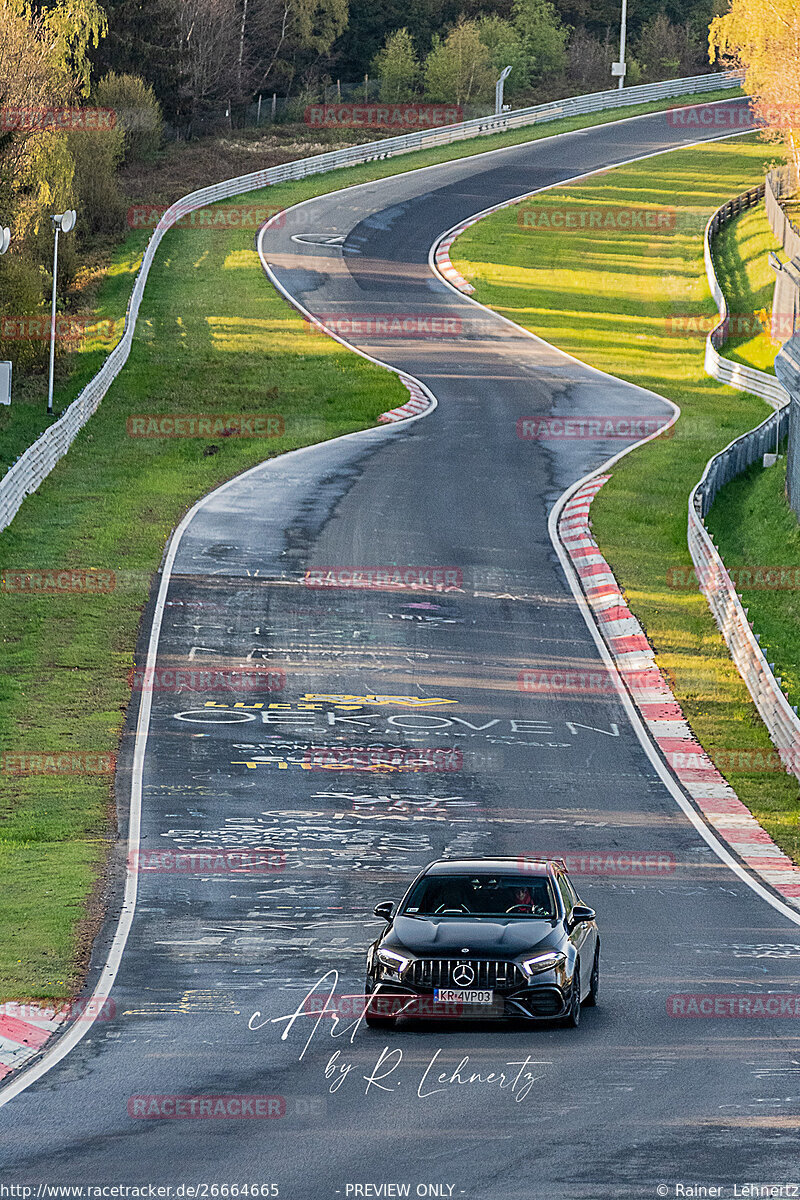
(450, 937)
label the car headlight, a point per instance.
(543, 962)
(390, 958)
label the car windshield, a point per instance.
(523, 896)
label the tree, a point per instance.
(370, 23)
(668, 51)
(543, 36)
(44, 66)
(73, 28)
(763, 37)
(504, 43)
(138, 114)
(207, 55)
(142, 40)
(598, 17)
(288, 36)
(397, 67)
(589, 61)
(459, 69)
(44, 63)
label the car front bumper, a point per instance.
(538, 1002)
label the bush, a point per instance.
(668, 51)
(98, 200)
(589, 62)
(22, 295)
(138, 114)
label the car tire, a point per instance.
(594, 981)
(572, 1018)
(372, 1019)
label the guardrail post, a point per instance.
(787, 368)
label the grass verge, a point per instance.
(753, 526)
(741, 260)
(617, 298)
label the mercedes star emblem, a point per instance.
(463, 974)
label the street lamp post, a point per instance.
(619, 68)
(62, 223)
(498, 91)
(5, 365)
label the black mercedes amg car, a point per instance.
(480, 937)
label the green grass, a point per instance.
(753, 526)
(614, 299)
(212, 337)
(741, 259)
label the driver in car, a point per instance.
(522, 897)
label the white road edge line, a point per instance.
(652, 752)
(79, 1029)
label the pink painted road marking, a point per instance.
(22, 1032)
(418, 403)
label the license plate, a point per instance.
(463, 995)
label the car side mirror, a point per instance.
(580, 913)
(385, 909)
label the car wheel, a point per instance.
(372, 1019)
(572, 1017)
(594, 980)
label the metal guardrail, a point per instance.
(738, 456)
(736, 375)
(715, 583)
(779, 182)
(39, 459)
(725, 603)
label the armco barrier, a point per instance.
(736, 375)
(780, 182)
(715, 583)
(731, 617)
(726, 605)
(39, 459)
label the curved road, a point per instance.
(632, 1101)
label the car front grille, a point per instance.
(489, 973)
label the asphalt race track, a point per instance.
(632, 1100)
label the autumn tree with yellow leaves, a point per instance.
(763, 37)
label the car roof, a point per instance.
(518, 865)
